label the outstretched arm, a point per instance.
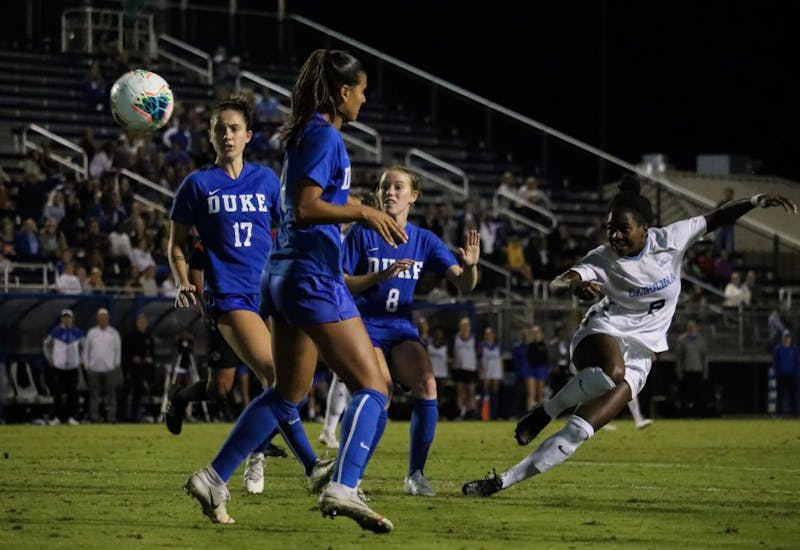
(731, 211)
(357, 284)
(310, 209)
(466, 277)
(570, 282)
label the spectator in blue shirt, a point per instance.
(785, 363)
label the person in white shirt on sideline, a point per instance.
(636, 280)
(102, 357)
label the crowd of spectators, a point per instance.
(94, 231)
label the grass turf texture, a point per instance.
(678, 484)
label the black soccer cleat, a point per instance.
(483, 487)
(531, 425)
(174, 414)
(275, 450)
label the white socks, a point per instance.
(338, 398)
(636, 412)
(553, 451)
(589, 383)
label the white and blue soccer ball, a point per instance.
(141, 101)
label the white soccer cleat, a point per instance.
(417, 485)
(254, 474)
(340, 500)
(212, 497)
(329, 440)
(320, 475)
(72, 422)
(644, 423)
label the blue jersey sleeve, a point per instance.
(439, 258)
(275, 198)
(185, 202)
(318, 159)
(353, 250)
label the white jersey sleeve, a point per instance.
(641, 292)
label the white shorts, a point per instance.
(638, 359)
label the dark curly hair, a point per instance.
(629, 197)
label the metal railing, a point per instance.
(205, 69)
(502, 198)
(462, 190)
(81, 29)
(13, 282)
(166, 194)
(374, 150)
(81, 169)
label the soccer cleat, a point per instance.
(483, 487)
(254, 474)
(340, 500)
(320, 475)
(72, 422)
(644, 423)
(275, 450)
(416, 484)
(329, 440)
(174, 414)
(531, 425)
(212, 497)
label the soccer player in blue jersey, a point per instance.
(231, 205)
(303, 289)
(383, 278)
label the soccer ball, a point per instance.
(141, 101)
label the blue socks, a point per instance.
(267, 413)
(423, 426)
(292, 430)
(359, 435)
(248, 432)
(379, 429)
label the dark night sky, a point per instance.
(681, 78)
(675, 77)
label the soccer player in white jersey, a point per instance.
(638, 276)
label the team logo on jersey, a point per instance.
(244, 202)
(645, 290)
(376, 265)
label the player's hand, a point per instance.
(385, 226)
(769, 201)
(186, 295)
(472, 248)
(588, 291)
(395, 269)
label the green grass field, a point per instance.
(678, 484)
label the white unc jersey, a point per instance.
(641, 292)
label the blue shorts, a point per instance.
(306, 300)
(219, 304)
(386, 338)
(538, 372)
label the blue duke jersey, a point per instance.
(641, 292)
(233, 219)
(320, 156)
(366, 252)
